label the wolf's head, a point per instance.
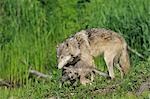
(69, 73)
(67, 51)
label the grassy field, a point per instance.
(31, 29)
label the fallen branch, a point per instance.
(144, 86)
(76, 70)
(3, 83)
(107, 89)
(100, 73)
(135, 52)
(39, 74)
(36, 73)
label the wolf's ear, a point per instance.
(81, 36)
(57, 45)
(60, 45)
(78, 36)
(73, 47)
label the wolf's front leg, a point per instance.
(109, 62)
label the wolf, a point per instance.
(80, 70)
(93, 42)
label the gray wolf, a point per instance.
(91, 43)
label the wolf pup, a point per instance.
(80, 70)
(92, 43)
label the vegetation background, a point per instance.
(31, 29)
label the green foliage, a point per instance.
(31, 29)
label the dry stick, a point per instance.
(3, 83)
(100, 73)
(144, 86)
(107, 89)
(135, 52)
(88, 69)
(36, 73)
(39, 74)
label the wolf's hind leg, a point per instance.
(120, 69)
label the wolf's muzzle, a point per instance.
(64, 61)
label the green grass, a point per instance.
(31, 29)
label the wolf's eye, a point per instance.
(67, 44)
(61, 57)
